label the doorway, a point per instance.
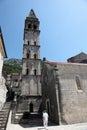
(48, 105)
(31, 107)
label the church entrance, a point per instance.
(31, 107)
(48, 105)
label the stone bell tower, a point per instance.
(31, 71)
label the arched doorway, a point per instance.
(31, 107)
(48, 105)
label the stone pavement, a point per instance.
(80, 126)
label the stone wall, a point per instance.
(32, 65)
(2, 79)
(31, 86)
(3, 89)
(73, 99)
(3, 92)
(49, 93)
(1, 64)
(70, 105)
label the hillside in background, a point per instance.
(11, 66)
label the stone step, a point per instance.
(2, 128)
(5, 107)
(2, 125)
(3, 118)
(2, 121)
(3, 112)
(4, 115)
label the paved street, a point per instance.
(81, 126)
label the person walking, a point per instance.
(45, 119)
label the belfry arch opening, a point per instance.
(29, 26)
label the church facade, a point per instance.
(64, 91)
(60, 88)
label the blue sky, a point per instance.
(63, 25)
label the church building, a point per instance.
(60, 88)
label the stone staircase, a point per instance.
(4, 114)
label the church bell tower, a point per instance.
(31, 71)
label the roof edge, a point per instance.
(3, 42)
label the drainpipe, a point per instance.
(57, 93)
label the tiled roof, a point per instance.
(80, 58)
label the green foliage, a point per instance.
(12, 66)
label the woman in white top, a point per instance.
(45, 119)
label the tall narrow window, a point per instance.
(35, 56)
(27, 71)
(35, 43)
(31, 107)
(34, 26)
(78, 82)
(27, 55)
(35, 72)
(28, 43)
